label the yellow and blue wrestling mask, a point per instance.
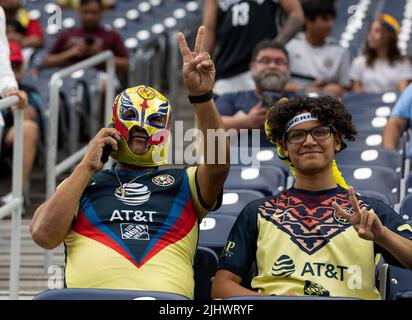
(137, 106)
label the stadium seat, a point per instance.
(105, 294)
(396, 283)
(377, 195)
(214, 230)
(268, 179)
(380, 157)
(369, 99)
(373, 178)
(262, 155)
(235, 200)
(205, 266)
(406, 207)
(372, 139)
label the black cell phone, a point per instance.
(89, 40)
(107, 150)
(269, 98)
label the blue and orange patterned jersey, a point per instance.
(143, 239)
(301, 245)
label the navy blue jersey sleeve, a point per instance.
(394, 222)
(226, 104)
(240, 251)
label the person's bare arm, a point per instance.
(403, 84)
(122, 65)
(198, 75)
(357, 86)
(393, 132)
(227, 284)
(369, 227)
(53, 219)
(210, 11)
(32, 41)
(294, 23)
(56, 60)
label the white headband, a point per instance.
(303, 117)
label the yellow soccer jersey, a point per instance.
(302, 246)
(143, 240)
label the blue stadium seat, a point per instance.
(235, 200)
(372, 139)
(396, 283)
(374, 178)
(381, 157)
(262, 155)
(377, 195)
(205, 266)
(106, 294)
(214, 230)
(369, 100)
(268, 179)
(406, 207)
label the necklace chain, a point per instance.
(121, 189)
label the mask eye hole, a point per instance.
(156, 120)
(129, 114)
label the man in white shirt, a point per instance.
(318, 65)
(8, 83)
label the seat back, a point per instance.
(205, 267)
(395, 282)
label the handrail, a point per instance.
(15, 207)
(53, 169)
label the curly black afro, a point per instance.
(330, 111)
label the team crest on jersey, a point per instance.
(310, 224)
(163, 180)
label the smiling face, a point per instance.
(312, 155)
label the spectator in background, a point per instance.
(30, 123)
(75, 4)
(235, 27)
(269, 68)
(399, 121)
(33, 32)
(91, 38)
(317, 64)
(382, 66)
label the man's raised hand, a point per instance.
(198, 69)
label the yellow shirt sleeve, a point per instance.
(199, 204)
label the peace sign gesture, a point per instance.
(198, 69)
(366, 222)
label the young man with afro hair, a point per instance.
(318, 237)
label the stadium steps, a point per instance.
(33, 276)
